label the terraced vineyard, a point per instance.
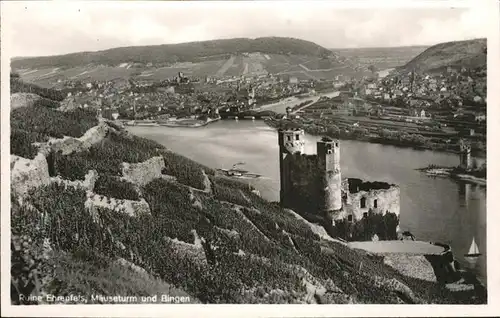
(206, 236)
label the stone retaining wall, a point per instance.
(68, 145)
(130, 207)
(144, 172)
(27, 174)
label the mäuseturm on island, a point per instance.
(313, 186)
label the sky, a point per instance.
(59, 27)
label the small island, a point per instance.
(467, 170)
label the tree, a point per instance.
(372, 68)
(333, 131)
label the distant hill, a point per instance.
(286, 57)
(381, 57)
(470, 53)
(172, 53)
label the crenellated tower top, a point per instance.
(291, 140)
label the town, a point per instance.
(415, 109)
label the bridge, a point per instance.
(400, 247)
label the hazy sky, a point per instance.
(47, 28)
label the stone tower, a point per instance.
(465, 155)
(290, 142)
(329, 162)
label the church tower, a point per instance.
(465, 155)
(329, 162)
(290, 142)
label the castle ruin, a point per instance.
(313, 184)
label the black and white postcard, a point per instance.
(167, 158)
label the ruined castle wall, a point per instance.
(27, 174)
(87, 184)
(387, 201)
(144, 172)
(68, 145)
(333, 190)
(130, 207)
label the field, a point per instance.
(249, 64)
(381, 58)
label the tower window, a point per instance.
(349, 218)
(329, 151)
(288, 138)
(336, 144)
(362, 203)
(297, 137)
(375, 203)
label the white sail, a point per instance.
(474, 249)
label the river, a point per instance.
(433, 209)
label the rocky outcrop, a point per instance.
(87, 184)
(206, 182)
(416, 266)
(130, 207)
(28, 174)
(68, 104)
(404, 292)
(68, 145)
(193, 251)
(144, 172)
(315, 228)
(18, 100)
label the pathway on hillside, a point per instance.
(226, 66)
(399, 247)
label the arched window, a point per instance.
(362, 203)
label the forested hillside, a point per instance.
(469, 54)
(183, 52)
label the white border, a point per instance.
(277, 310)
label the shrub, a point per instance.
(76, 165)
(172, 208)
(115, 188)
(186, 170)
(53, 123)
(45, 102)
(18, 86)
(57, 203)
(106, 157)
(228, 194)
(21, 143)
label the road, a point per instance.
(400, 247)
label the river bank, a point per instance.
(321, 130)
(187, 123)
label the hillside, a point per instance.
(382, 58)
(172, 53)
(220, 58)
(97, 210)
(471, 54)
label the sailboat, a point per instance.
(473, 250)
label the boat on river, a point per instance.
(234, 172)
(473, 250)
